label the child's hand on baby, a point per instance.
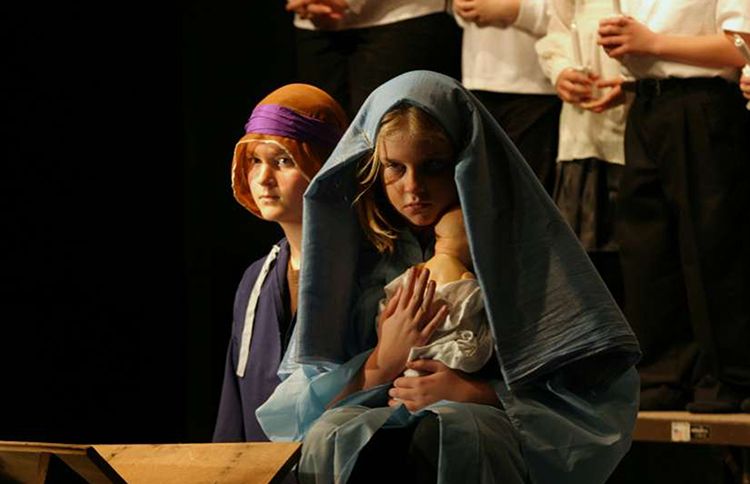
(438, 382)
(409, 319)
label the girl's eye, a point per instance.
(394, 167)
(284, 162)
(255, 160)
(436, 166)
(392, 171)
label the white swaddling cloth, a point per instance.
(463, 342)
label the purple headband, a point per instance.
(278, 120)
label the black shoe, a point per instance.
(662, 398)
(713, 396)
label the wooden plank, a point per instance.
(693, 428)
(38, 447)
(93, 467)
(246, 462)
(29, 461)
(23, 467)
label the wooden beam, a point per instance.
(242, 462)
(246, 462)
(693, 428)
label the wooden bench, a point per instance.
(246, 462)
(731, 430)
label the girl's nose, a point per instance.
(263, 174)
(413, 182)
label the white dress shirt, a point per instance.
(685, 17)
(502, 59)
(583, 134)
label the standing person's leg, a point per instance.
(532, 122)
(607, 257)
(322, 60)
(431, 42)
(712, 187)
(570, 178)
(585, 193)
(655, 298)
(610, 189)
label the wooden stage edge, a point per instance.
(245, 462)
(693, 428)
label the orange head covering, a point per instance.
(305, 120)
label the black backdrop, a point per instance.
(122, 245)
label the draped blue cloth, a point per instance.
(566, 353)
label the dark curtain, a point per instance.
(122, 245)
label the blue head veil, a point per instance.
(547, 305)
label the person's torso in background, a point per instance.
(688, 18)
(369, 13)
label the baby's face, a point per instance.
(450, 235)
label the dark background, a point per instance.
(122, 244)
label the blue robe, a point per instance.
(241, 396)
(567, 382)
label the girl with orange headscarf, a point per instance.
(288, 137)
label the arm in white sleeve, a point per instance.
(733, 15)
(533, 17)
(554, 49)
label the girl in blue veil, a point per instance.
(559, 402)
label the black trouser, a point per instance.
(586, 192)
(684, 231)
(532, 122)
(350, 64)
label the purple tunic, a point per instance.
(240, 396)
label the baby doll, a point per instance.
(463, 341)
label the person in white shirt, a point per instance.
(745, 86)
(590, 154)
(745, 78)
(349, 47)
(684, 195)
(499, 66)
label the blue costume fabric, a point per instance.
(567, 382)
(241, 396)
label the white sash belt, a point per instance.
(247, 329)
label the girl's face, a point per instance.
(418, 177)
(277, 185)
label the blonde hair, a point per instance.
(378, 219)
